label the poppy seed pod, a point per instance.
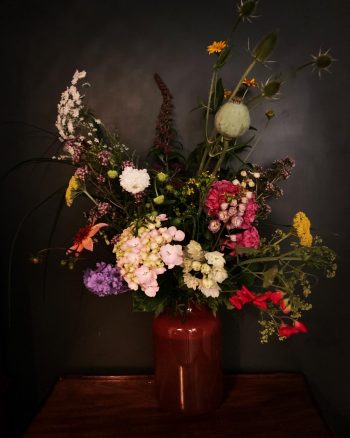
(232, 120)
(265, 47)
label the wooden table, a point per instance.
(256, 405)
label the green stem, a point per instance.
(90, 197)
(205, 152)
(245, 74)
(304, 65)
(268, 259)
(222, 156)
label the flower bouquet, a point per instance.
(189, 229)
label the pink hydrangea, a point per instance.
(171, 255)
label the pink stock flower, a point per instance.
(220, 192)
(250, 212)
(248, 239)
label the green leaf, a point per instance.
(269, 276)
(243, 250)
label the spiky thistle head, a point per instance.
(322, 61)
(247, 9)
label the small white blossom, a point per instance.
(77, 76)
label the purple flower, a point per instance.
(104, 280)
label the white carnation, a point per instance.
(134, 180)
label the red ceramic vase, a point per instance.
(187, 352)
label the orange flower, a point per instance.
(250, 82)
(83, 238)
(227, 93)
(216, 47)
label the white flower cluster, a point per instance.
(203, 270)
(134, 180)
(69, 108)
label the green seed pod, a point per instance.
(271, 88)
(232, 120)
(265, 47)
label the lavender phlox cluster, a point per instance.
(104, 280)
(75, 149)
(104, 157)
(99, 210)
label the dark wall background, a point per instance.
(61, 328)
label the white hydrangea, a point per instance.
(134, 180)
(215, 258)
(199, 274)
(195, 250)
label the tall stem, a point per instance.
(245, 74)
(222, 156)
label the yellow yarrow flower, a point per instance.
(72, 190)
(216, 47)
(301, 225)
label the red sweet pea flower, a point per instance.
(83, 239)
(288, 330)
(245, 296)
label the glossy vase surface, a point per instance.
(187, 354)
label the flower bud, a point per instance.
(159, 200)
(270, 114)
(214, 226)
(224, 206)
(112, 174)
(270, 89)
(265, 47)
(196, 266)
(162, 177)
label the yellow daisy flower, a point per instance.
(301, 225)
(216, 47)
(72, 190)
